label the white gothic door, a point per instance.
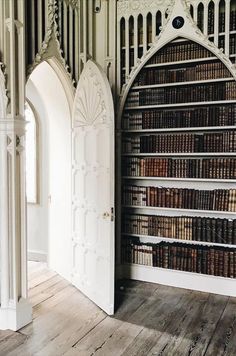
(93, 188)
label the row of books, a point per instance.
(210, 168)
(191, 117)
(193, 72)
(182, 94)
(179, 142)
(180, 198)
(199, 259)
(195, 228)
(180, 51)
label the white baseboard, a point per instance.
(15, 316)
(37, 256)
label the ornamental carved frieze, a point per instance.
(73, 3)
(130, 7)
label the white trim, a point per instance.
(180, 279)
(37, 256)
(189, 31)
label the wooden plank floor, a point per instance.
(150, 320)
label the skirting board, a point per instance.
(16, 316)
(37, 256)
(180, 279)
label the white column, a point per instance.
(216, 23)
(76, 43)
(205, 19)
(144, 33)
(153, 27)
(227, 24)
(118, 30)
(127, 47)
(135, 39)
(15, 310)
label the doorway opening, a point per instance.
(48, 170)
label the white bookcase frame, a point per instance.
(189, 280)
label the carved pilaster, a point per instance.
(15, 311)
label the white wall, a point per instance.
(52, 106)
(37, 214)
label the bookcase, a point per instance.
(179, 171)
(138, 28)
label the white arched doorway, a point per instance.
(49, 218)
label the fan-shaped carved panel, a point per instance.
(91, 104)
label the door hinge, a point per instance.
(112, 214)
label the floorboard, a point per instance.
(150, 320)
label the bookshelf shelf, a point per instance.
(183, 211)
(180, 63)
(179, 105)
(206, 180)
(181, 129)
(195, 82)
(180, 154)
(155, 239)
(181, 279)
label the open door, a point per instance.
(93, 188)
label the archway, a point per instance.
(49, 218)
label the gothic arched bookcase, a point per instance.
(176, 190)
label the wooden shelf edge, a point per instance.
(187, 61)
(180, 129)
(176, 105)
(205, 180)
(156, 239)
(216, 212)
(181, 154)
(180, 279)
(194, 82)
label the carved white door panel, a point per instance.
(93, 188)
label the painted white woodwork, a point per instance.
(15, 310)
(127, 64)
(180, 279)
(153, 26)
(145, 34)
(227, 25)
(216, 23)
(76, 44)
(214, 284)
(85, 33)
(205, 18)
(93, 188)
(127, 8)
(135, 40)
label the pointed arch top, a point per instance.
(93, 102)
(189, 30)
